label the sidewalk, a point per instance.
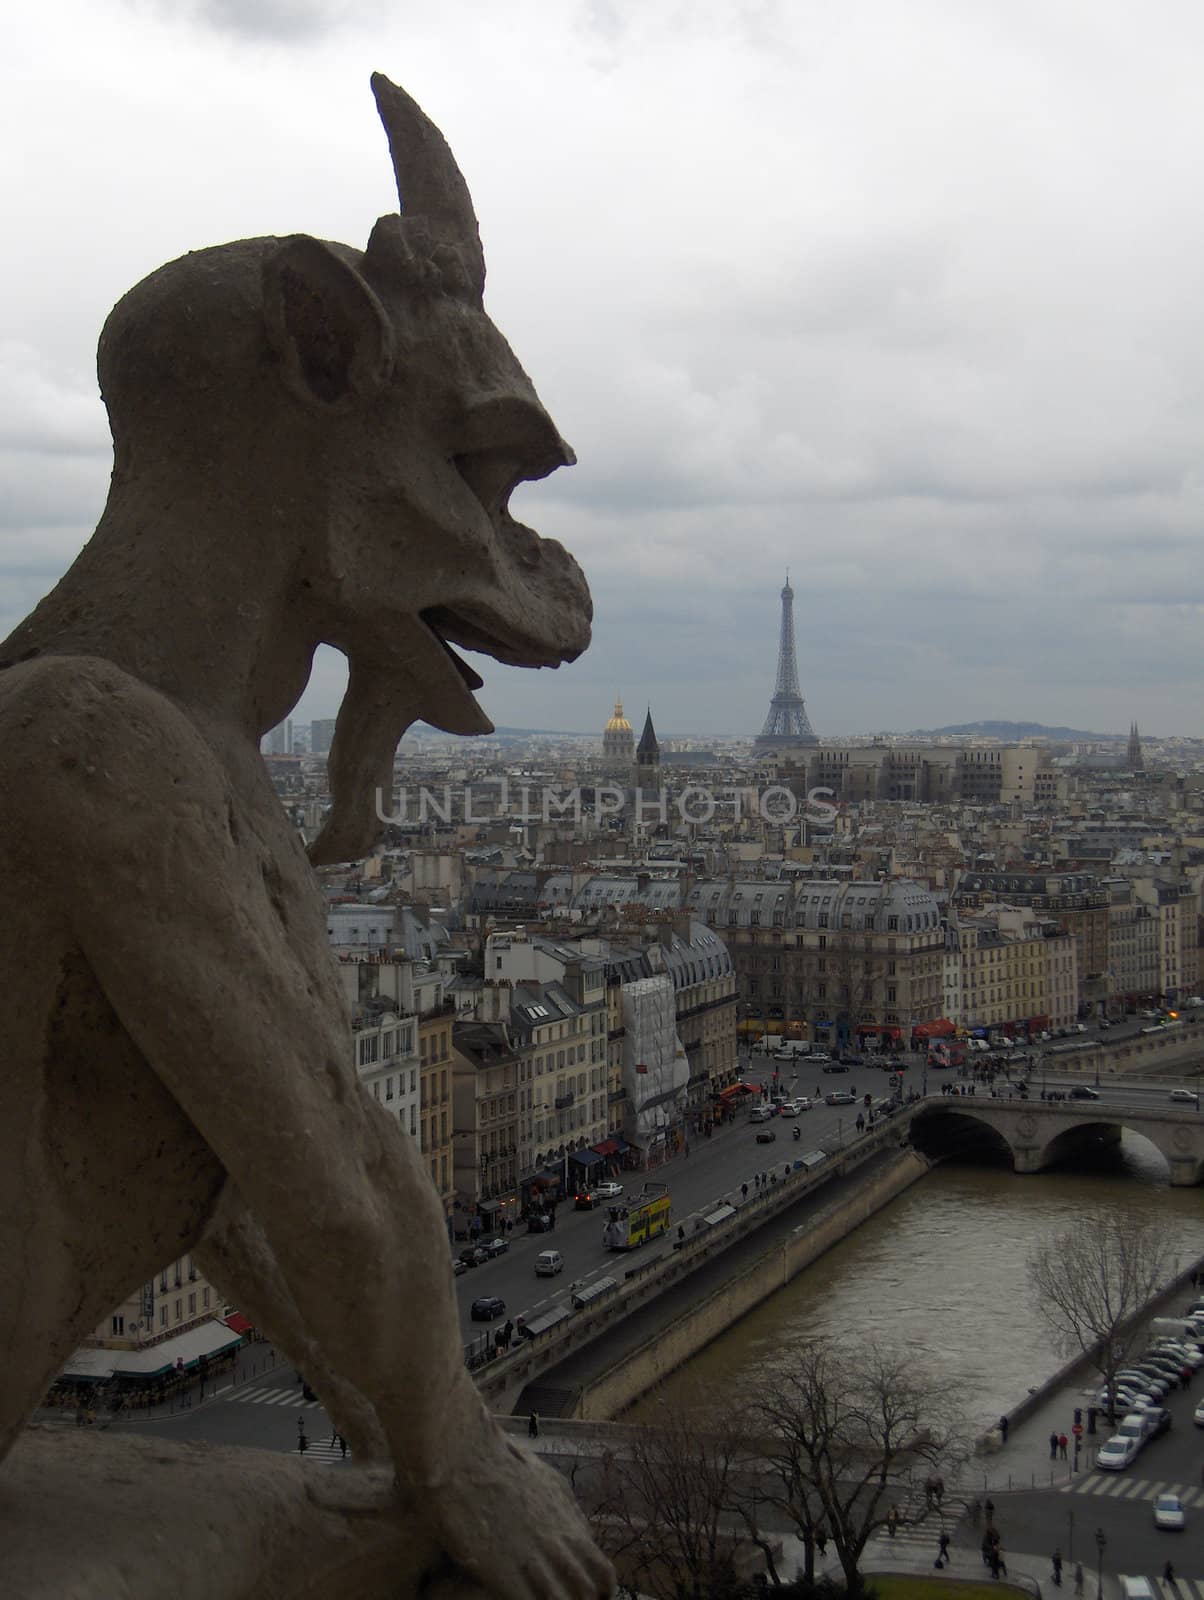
(252, 1364)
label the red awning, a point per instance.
(607, 1148)
(940, 1029)
(237, 1323)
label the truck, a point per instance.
(645, 1218)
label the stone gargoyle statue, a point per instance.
(312, 443)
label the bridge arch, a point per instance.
(1036, 1136)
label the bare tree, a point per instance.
(665, 1505)
(1093, 1279)
(850, 1434)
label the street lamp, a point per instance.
(1100, 1541)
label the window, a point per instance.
(369, 1050)
(179, 1310)
(118, 1324)
(388, 1088)
(192, 1305)
(204, 1299)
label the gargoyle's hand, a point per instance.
(510, 1526)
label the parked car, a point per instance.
(474, 1255)
(1082, 1091)
(1117, 1454)
(1160, 1421)
(1197, 1415)
(487, 1307)
(496, 1247)
(841, 1097)
(766, 1136)
(608, 1191)
(459, 1268)
(1168, 1512)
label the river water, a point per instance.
(941, 1274)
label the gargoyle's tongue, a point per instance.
(471, 678)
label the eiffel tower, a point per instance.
(787, 722)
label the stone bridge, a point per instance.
(1038, 1134)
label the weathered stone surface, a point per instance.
(113, 1517)
(312, 444)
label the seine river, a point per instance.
(941, 1273)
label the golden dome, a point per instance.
(618, 723)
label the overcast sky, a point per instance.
(905, 295)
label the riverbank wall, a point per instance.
(605, 1379)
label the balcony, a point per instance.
(564, 1101)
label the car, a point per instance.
(548, 1263)
(766, 1136)
(585, 1200)
(1168, 1512)
(1197, 1415)
(1184, 1097)
(1135, 1588)
(788, 1108)
(1117, 1454)
(608, 1191)
(487, 1307)
(836, 1066)
(1082, 1091)
(1104, 1023)
(496, 1247)
(459, 1268)
(1159, 1421)
(540, 1222)
(841, 1097)
(803, 1103)
(474, 1255)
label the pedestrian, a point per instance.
(943, 1543)
(334, 1438)
(343, 1446)
(1078, 1577)
(892, 1521)
(821, 1539)
(91, 1416)
(1053, 1447)
(994, 1562)
(533, 1425)
(1057, 1569)
(1063, 1441)
(1001, 1564)
(988, 1549)
(1168, 1574)
(744, 1190)
(302, 1443)
(975, 1512)
(1003, 1429)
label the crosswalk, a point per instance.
(324, 1452)
(1180, 1589)
(915, 1539)
(264, 1396)
(1117, 1486)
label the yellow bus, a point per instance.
(630, 1226)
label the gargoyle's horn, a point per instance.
(429, 183)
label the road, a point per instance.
(714, 1171)
(1122, 1505)
(264, 1412)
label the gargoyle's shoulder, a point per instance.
(79, 729)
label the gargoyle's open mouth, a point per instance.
(470, 633)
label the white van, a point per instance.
(548, 1263)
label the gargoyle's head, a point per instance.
(390, 422)
(441, 424)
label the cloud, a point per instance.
(905, 299)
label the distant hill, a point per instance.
(1013, 730)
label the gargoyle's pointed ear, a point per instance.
(326, 325)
